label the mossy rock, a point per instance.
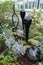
(18, 35)
(39, 38)
(27, 46)
(14, 33)
(33, 42)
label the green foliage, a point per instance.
(1, 56)
(2, 41)
(9, 60)
(1, 16)
(34, 32)
(36, 16)
(6, 60)
(6, 6)
(40, 63)
(39, 38)
(8, 24)
(0, 29)
(36, 28)
(16, 57)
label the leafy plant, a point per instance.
(8, 24)
(35, 29)
(2, 41)
(36, 16)
(6, 6)
(0, 29)
(1, 17)
(6, 60)
(9, 59)
(40, 63)
(1, 56)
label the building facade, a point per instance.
(29, 4)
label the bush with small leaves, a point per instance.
(2, 41)
(1, 17)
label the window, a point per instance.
(33, 4)
(18, 6)
(36, 4)
(41, 4)
(26, 5)
(21, 6)
(29, 5)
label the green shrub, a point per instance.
(0, 29)
(1, 17)
(40, 63)
(6, 60)
(2, 41)
(36, 29)
(39, 38)
(36, 16)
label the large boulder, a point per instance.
(33, 53)
(27, 46)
